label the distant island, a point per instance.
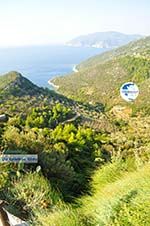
(110, 39)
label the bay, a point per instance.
(42, 63)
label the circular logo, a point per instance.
(129, 91)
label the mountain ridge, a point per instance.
(16, 84)
(133, 48)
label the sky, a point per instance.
(41, 22)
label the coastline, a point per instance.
(56, 87)
(53, 85)
(74, 69)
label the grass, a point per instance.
(63, 216)
(120, 197)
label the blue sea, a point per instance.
(41, 63)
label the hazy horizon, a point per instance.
(57, 43)
(45, 22)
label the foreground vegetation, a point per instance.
(93, 160)
(119, 196)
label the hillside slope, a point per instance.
(86, 175)
(135, 48)
(14, 83)
(18, 96)
(99, 78)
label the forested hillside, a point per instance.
(93, 159)
(100, 78)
